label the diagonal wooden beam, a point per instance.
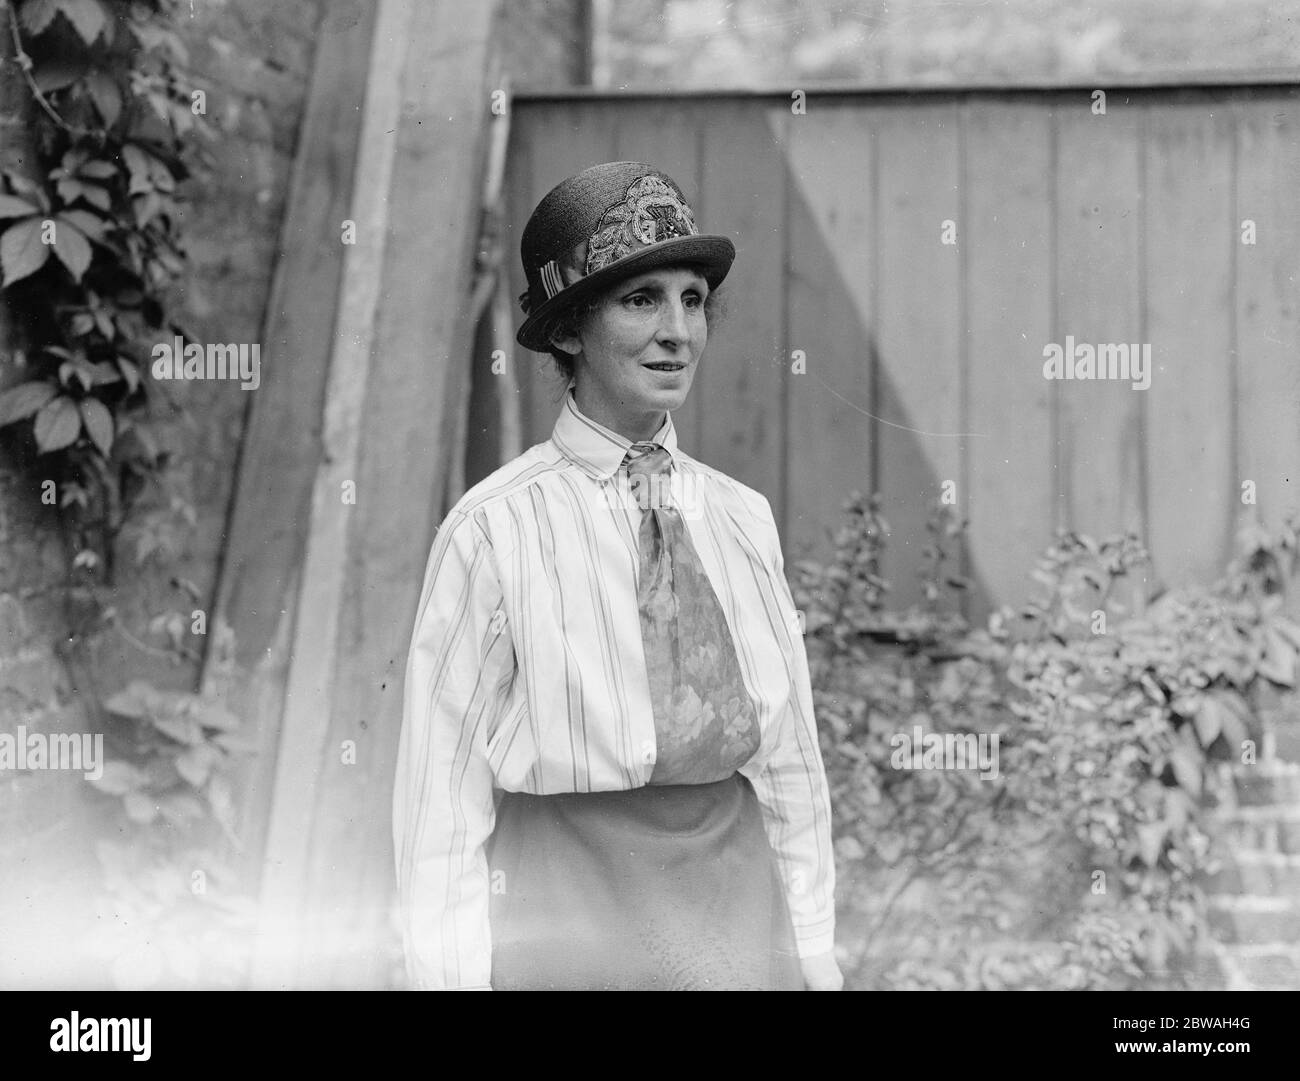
(259, 577)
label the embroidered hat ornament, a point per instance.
(607, 223)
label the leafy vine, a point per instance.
(90, 245)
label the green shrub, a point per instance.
(1078, 865)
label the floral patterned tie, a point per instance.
(705, 724)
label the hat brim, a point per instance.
(714, 254)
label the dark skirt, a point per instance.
(666, 887)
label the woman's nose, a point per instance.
(672, 325)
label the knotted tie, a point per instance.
(705, 724)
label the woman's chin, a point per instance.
(666, 390)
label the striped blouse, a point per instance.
(527, 673)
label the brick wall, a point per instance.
(1255, 898)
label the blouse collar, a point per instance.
(597, 449)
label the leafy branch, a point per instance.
(90, 246)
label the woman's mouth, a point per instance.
(665, 366)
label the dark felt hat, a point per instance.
(604, 224)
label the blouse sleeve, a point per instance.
(458, 672)
(792, 788)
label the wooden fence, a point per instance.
(919, 252)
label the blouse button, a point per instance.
(647, 751)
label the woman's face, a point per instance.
(636, 354)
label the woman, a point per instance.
(609, 775)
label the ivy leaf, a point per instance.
(105, 373)
(1185, 760)
(21, 250)
(160, 175)
(108, 100)
(130, 373)
(1151, 839)
(236, 743)
(1279, 662)
(57, 425)
(158, 101)
(99, 423)
(13, 207)
(119, 778)
(146, 206)
(212, 715)
(196, 764)
(37, 15)
(1230, 718)
(90, 224)
(77, 368)
(98, 169)
(1208, 719)
(182, 729)
(23, 400)
(137, 164)
(96, 196)
(72, 247)
(153, 37)
(135, 701)
(25, 186)
(71, 189)
(57, 74)
(87, 16)
(182, 118)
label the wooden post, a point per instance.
(399, 359)
(282, 446)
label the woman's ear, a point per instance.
(566, 340)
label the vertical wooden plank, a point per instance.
(744, 373)
(493, 404)
(1098, 302)
(1189, 252)
(568, 137)
(699, 111)
(918, 164)
(519, 204)
(664, 134)
(1009, 304)
(259, 577)
(293, 807)
(1268, 303)
(331, 892)
(831, 286)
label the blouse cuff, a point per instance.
(816, 939)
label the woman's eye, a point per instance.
(637, 300)
(693, 301)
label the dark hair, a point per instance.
(570, 321)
